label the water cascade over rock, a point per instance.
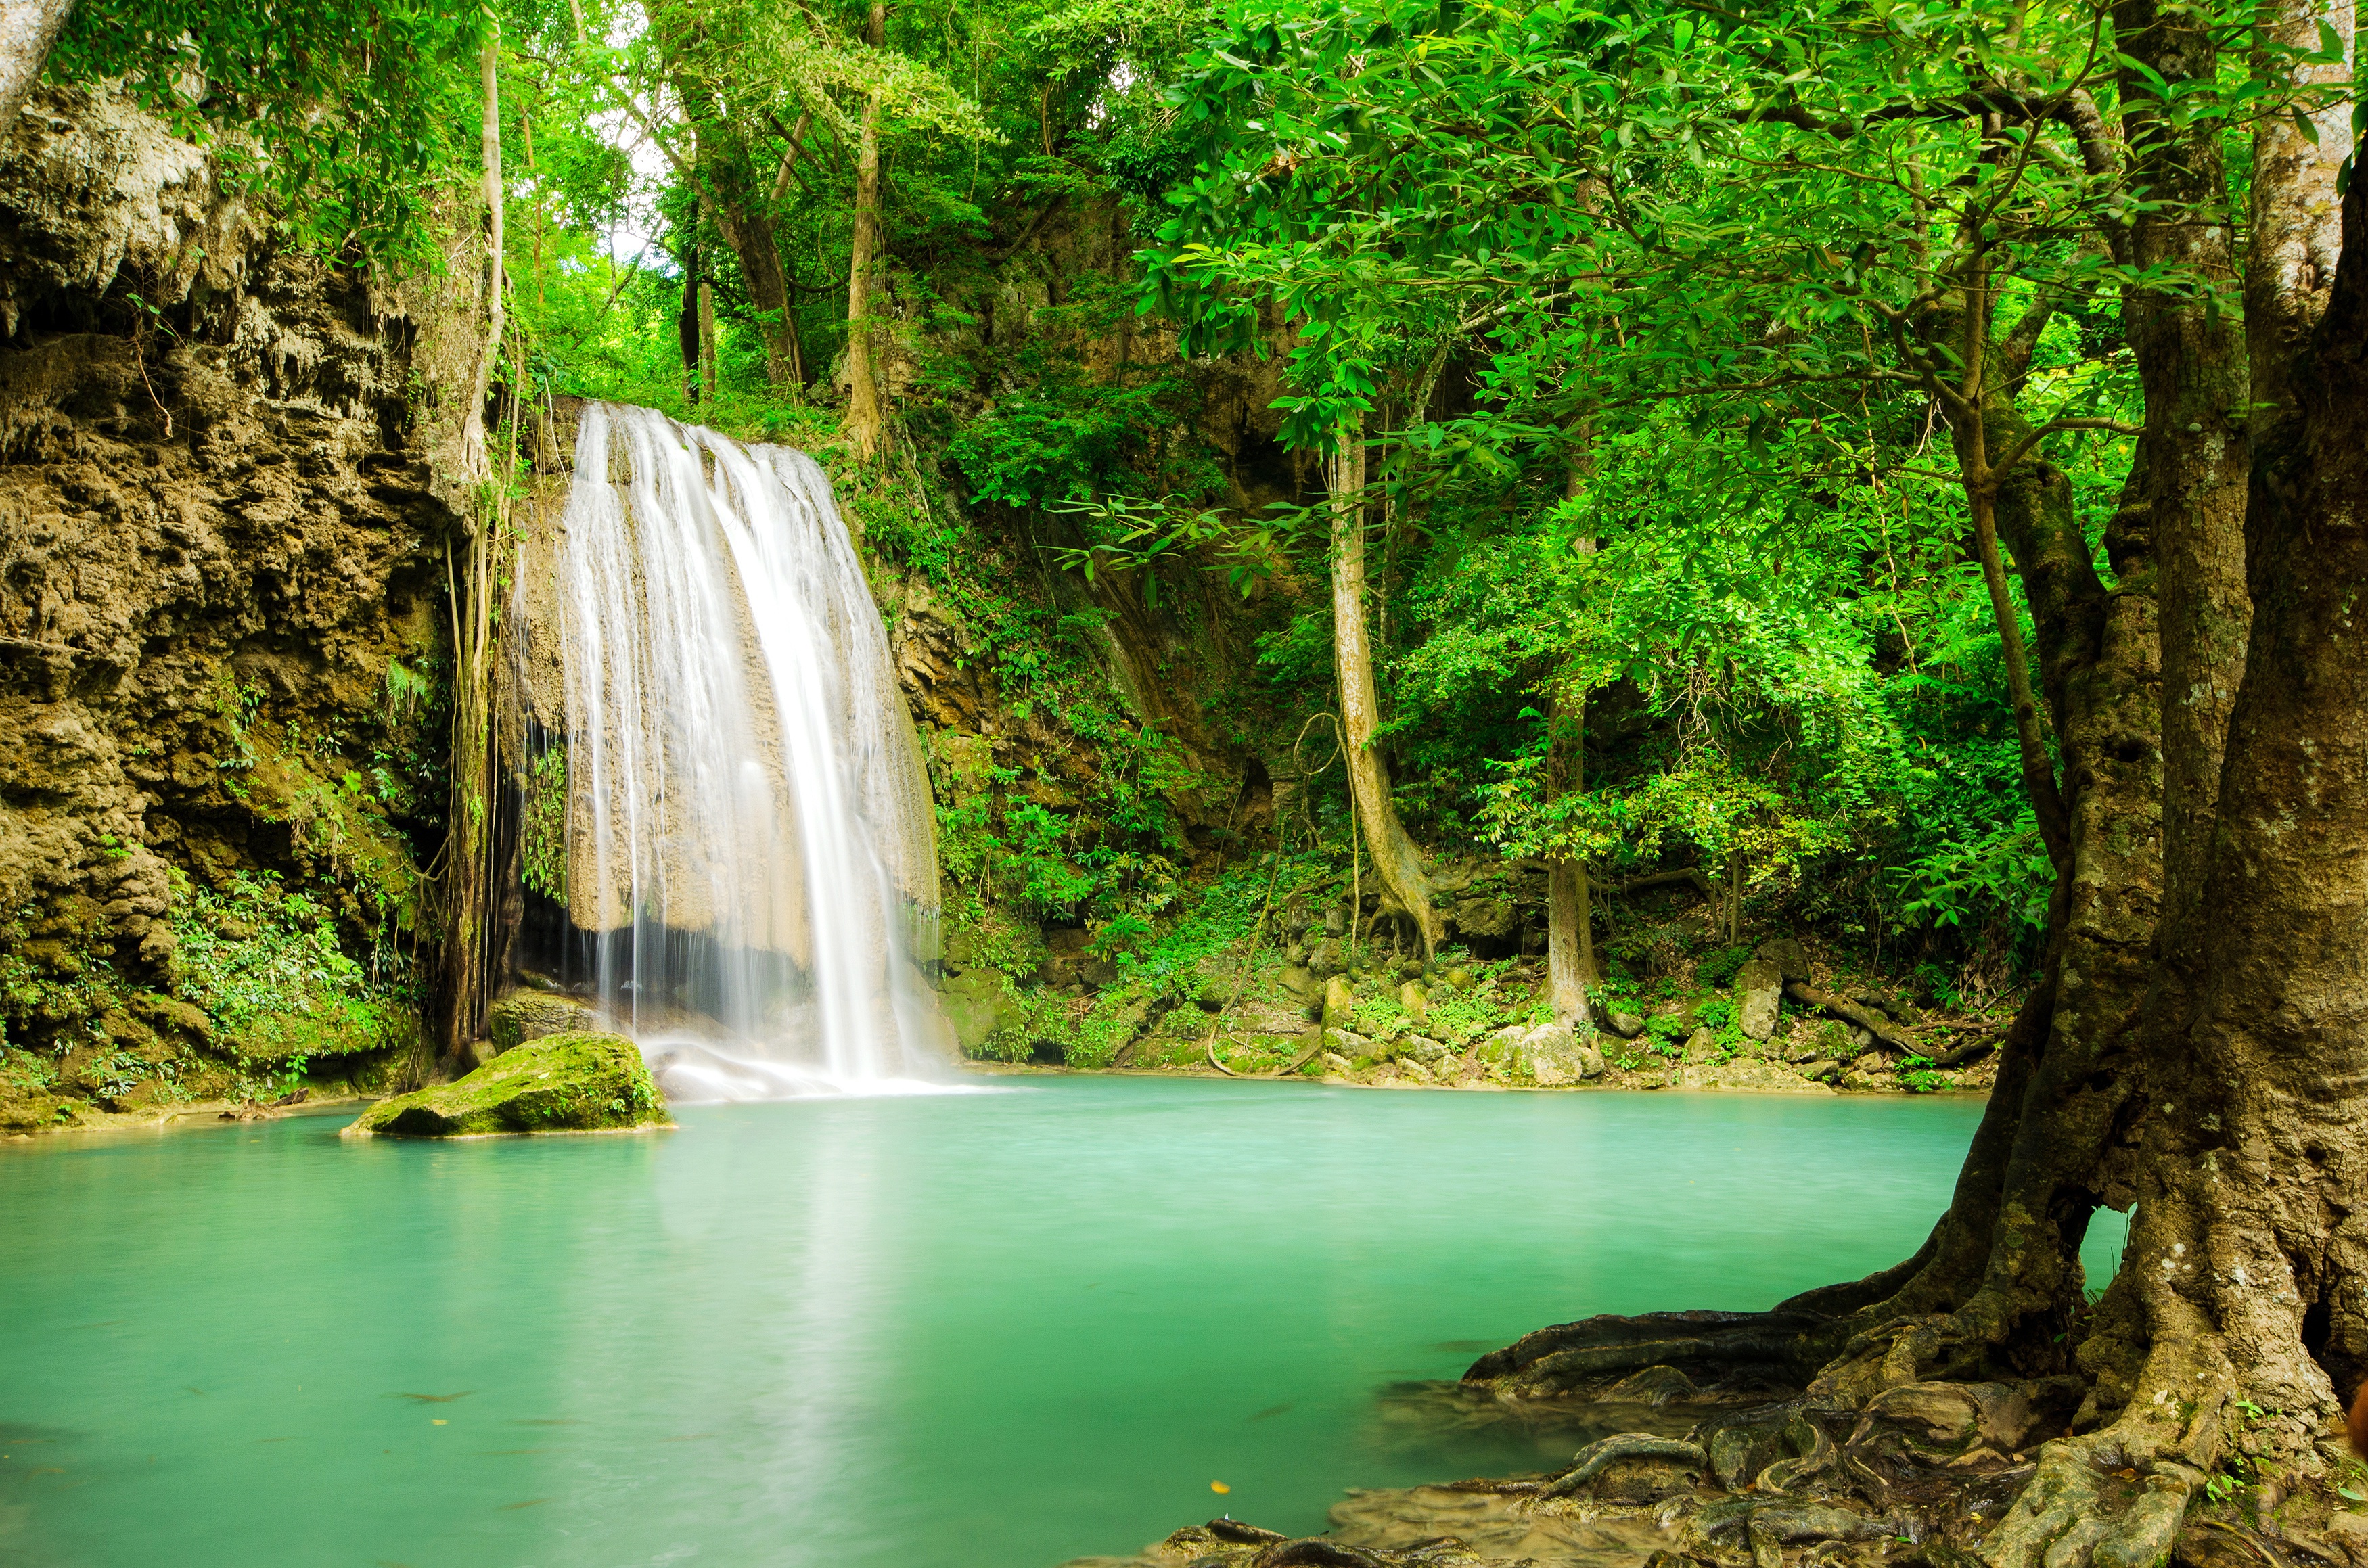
(749, 870)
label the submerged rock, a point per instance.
(568, 1083)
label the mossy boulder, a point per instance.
(565, 1083)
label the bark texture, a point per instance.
(2238, 1303)
(1570, 957)
(1394, 860)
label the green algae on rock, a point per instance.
(566, 1083)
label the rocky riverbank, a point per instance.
(1776, 1015)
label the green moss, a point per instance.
(565, 1083)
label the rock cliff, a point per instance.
(222, 643)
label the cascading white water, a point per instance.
(748, 825)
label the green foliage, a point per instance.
(1063, 439)
(265, 964)
(1918, 1076)
(1719, 968)
(542, 827)
(354, 114)
(2004, 873)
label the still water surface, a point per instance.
(976, 1330)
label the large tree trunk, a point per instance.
(1395, 859)
(2238, 1304)
(2236, 1117)
(27, 29)
(750, 234)
(864, 423)
(2190, 478)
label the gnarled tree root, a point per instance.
(1781, 1346)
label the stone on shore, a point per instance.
(566, 1083)
(1759, 994)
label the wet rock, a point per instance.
(1328, 957)
(1501, 1529)
(523, 1016)
(568, 1083)
(1422, 1048)
(1335, 1064)
(1815, 1039)
(1702, 1045)
(1627, 1026)
(1755, 1073)
(1415, 1000)
(1344, 1043)
(1791, 958)
(1759, 996)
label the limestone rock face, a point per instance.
(523, 1016)
(568, 1083)
(222, 527)
(1758, 990)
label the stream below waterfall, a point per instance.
(975, 1330)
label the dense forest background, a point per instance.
(1281, 438)
(1134, 264)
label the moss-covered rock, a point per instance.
(566, 1083)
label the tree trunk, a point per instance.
(2238, 1305)
(864, 422)
(2189, 480)
(27, 29)
(1394, 854)
(708, 374)
(472, 416)
(1570, 956)
(685, 326)
(468, 888)
(750, 234)
(2236, 1320)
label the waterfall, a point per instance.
(749, 836)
